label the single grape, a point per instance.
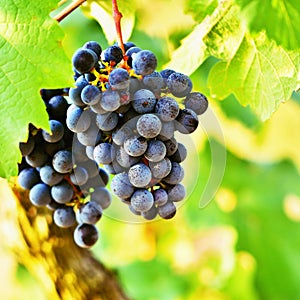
(113, 168)
(47, 94)
(139, 175)
(86, 235)
(50, 176)
(104, 153)
(161, 168)
(37, 157)
(90, 95)
(78, 120)
(128, 45)
(64, 217)
(110, 100)
(148, 126)
(84, 60)
(57, 107)
(144, 101)
(196, 102)
(107, 122)
(62, 161)
(142, 200)
(102, 196)
(156, 151)
(167, 109)
(79, 176)
(28, 177)
(135, 146)
(160, 197)
(150, 214)
(144, 62)
(94, 46)
(90, 212)
(176, 193)
(121, 186)
(187, 121)
(112, 54)
(56, 132)
(119, 79)
(62, 192)
(167, 211)
(179, 84)
(39, 194)
(176, 175)
(89, 150)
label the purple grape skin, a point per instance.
(176, 175)
(84, 60)
(156, 151)
(94, 46)
(28, 178)
(161, 168)
(160, 197)
(121, 186)
(179, 84)
(180, 154)
(64, 217)
(50, 176)
(171, 146)
(139, 175)
(167, 211)
(86, 235)
(196, 102)
(90, 212)
(176, 193)
(135, 146)
(62, 192)
(56, 132)
(144, 62)
(150, 214)
(167, 109)
(107, 121)
(37, 157)
(27, 148)
(119, 79)
(142, 200)
(187, 121)
(110, 100)
(101, 196)
(39, 194)
(144, 101)
(90, 95)
(148, 126)
(154, 81)
(62, 161)
(104, 153)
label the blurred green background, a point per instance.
(245, 244)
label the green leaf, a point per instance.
(101, 11)
(193, 45)
(280, 19)
(31, 57)
(260, 74)
(200, 8)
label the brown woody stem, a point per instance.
(117, 18)
(65, 12)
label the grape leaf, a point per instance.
(101, 11)
(31, 57)
(200, 8)
(260, 74)
(280, 20)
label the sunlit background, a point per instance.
(245, 243)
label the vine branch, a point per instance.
(66, 11)
(117, 18)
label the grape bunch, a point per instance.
(48, 171)
(126, 113)
(119, 120)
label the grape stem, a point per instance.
(66, 11)
(117, 18)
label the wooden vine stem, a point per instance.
(65, 12)
(117, 18)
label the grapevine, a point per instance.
(119, 119)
